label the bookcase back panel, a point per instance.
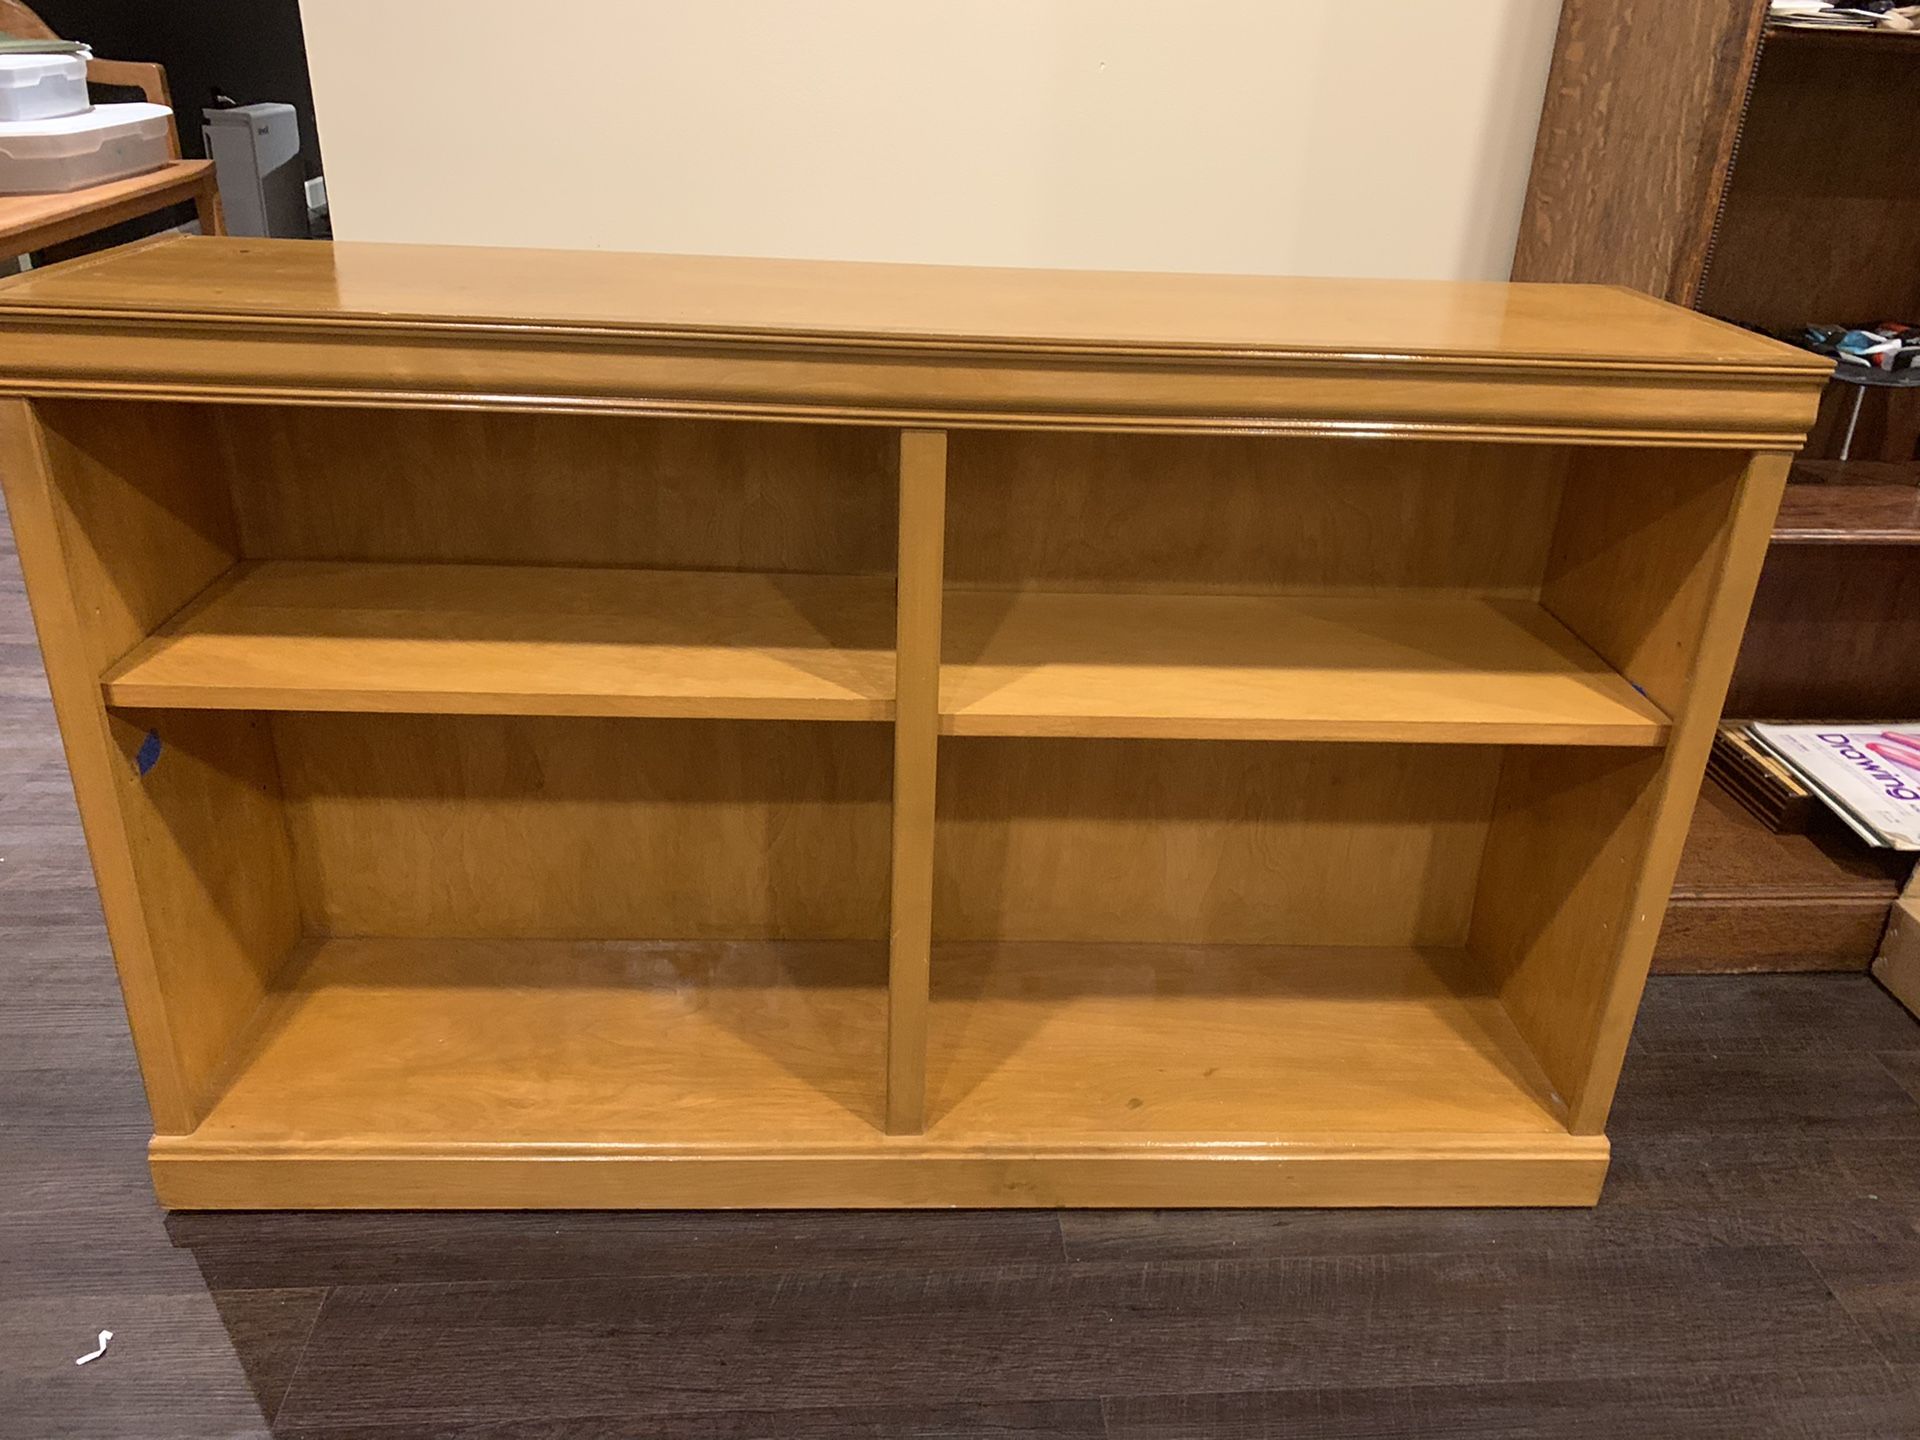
(1247, 514)
(574, 828)
(417, 485)
(1232, 842)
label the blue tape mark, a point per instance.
(148, 755)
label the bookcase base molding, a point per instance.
(1421, 1172)
(1112, 741)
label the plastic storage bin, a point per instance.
(42, 87)
(108, 142)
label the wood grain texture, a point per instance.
(1636, 139)
(121, 526)
(1807, 202)
(261, 320)
(35, 222)
(1866, 1401)
(437, 1051)
(1836, 502)
(895, 1173)
(1555, 894)
(1225, 843)
(1647, 1313)
(1636, 562)
(1544, 611)
(923, 479)
(1581, 859)
(386, 1044)
(586, 829)
(439, 1247)
(1748, 899)
(1080, 1330)
(1058, 1043)
(519, 1074)
(533, 640)
(1835, 635)
(935, 306)
(504, 489)
(1385, 668)
(1256, 515)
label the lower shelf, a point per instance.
(504, 1074)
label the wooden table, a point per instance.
(33, 222)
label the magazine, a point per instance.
(1869, 775)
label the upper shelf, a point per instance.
(510, 640)
(206, 317)
(1411, 667)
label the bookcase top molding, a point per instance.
(295, 321)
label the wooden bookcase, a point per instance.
(1771, 203)
(586, 730)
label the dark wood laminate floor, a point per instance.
(1753, 1271)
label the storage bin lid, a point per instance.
(19, 71)
(81, 134)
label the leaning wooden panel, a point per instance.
(1335, 661)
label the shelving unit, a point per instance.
(1778, 207)
(584, 730)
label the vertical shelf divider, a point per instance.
(923, 512)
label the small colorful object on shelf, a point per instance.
(1886, 345)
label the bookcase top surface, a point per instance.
(251, 281)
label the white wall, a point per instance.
(1261, 136)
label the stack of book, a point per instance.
(1866, 774)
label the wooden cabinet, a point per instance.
(615, 730)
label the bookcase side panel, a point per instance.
(1654, 565)
(128, 516)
